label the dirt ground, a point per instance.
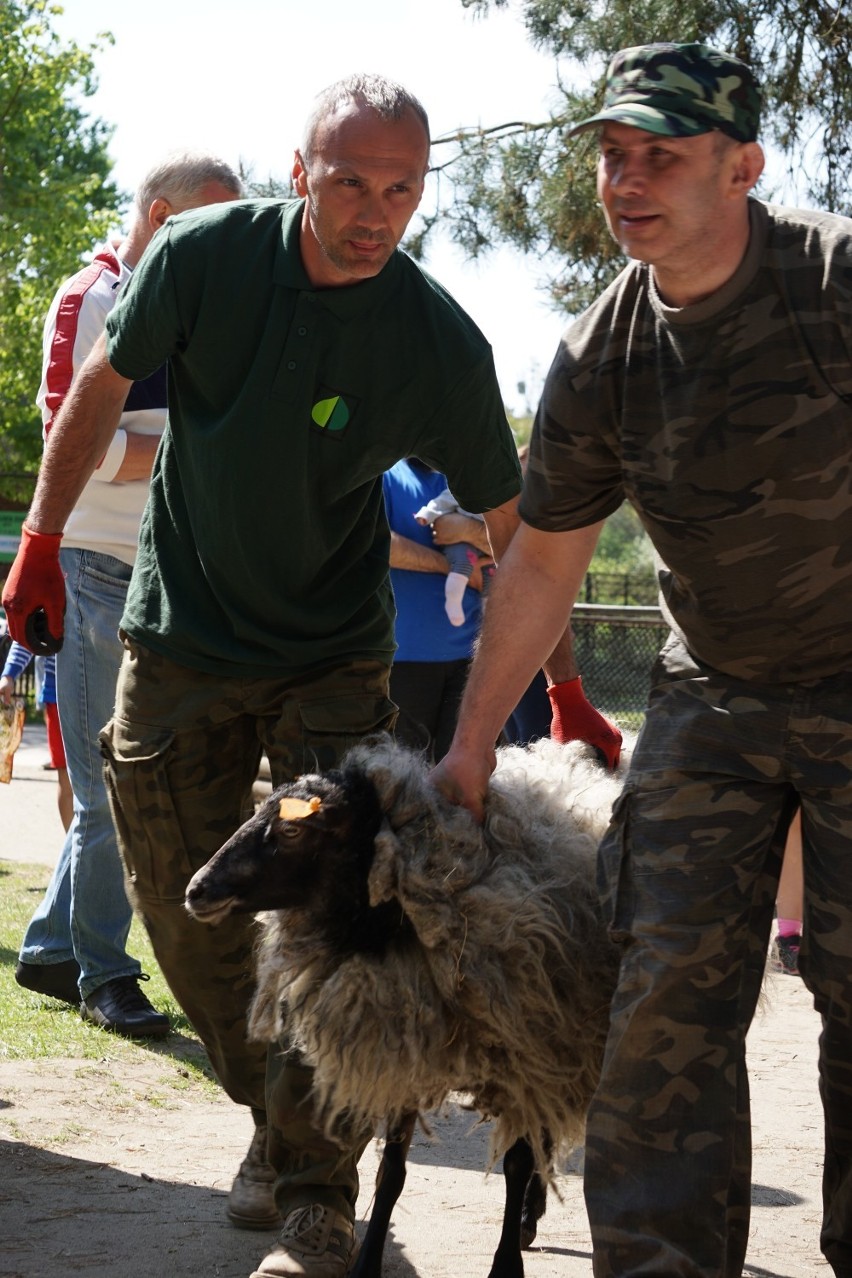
(106, 1174)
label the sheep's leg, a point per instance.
(389, 1183)
(535, 1204)
(518, 1167)
(535, 1200)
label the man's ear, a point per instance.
(158, 212)
(748, 166)
(299, 175)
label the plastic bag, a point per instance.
(11, 731)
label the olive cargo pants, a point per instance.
(181, 754)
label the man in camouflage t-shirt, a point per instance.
(710, 387)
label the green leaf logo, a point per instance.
(331, 414)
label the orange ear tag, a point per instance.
(297, 809)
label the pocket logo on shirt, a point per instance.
(331, 413)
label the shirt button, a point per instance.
(291, 364)
(302, 331)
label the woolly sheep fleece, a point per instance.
(503, 991)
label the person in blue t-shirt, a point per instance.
(432, 658)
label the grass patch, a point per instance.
(34, 1027)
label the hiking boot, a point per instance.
(120, 1006)
(784, 955)
(55, 980)
(316, 1242)
(251, 1204)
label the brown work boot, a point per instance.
(251, 1204)
(316, 1242)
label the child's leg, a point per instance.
(789, 903)
(457, 579)
(456, 585)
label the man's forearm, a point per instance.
(501, 524)
(527, 625)
(411, 555)
(561, 665)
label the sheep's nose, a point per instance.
(195, 887)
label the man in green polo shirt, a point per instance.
(306, 356)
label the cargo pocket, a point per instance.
(331, 726)
(149, 832)
(615, 881)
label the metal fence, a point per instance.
(625, 588)
(615, 649)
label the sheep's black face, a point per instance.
(300, 844)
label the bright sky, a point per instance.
(238, 79)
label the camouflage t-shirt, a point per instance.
(728, 425)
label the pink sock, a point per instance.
(789, 927)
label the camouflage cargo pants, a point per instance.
(689, 869)
(181, 753)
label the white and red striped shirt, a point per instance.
(106, 518)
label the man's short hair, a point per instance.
(679, 91)
(181, 176)
(388, 99)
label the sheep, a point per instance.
(410, 953)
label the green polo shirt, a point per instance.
(264, 546)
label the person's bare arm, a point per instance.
(78, 439)
(527, 625)
(138, 461)
(501, 524)
(405, 553)
(448, 530)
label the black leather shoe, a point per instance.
(56, 980)
(119, 1005)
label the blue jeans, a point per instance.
(85, 913)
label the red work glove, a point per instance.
(34, 594)
(574, 719)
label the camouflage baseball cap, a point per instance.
(679, 90)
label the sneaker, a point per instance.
(784, 955)
(316, 1242)
(251, 1204)
(55, 980)
(120, 1006)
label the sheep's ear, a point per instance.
(383, 879)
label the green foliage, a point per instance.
(521, 428)
(56, 200)
(527, 184)
(623, 546)
(269, 188)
